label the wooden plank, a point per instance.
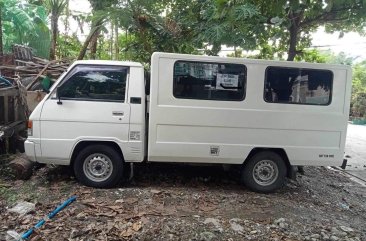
(1, 111)
(16, 110)
(11, 91)
(38, 75)
(41, 72)
(6, 109)
(28, 63)
(14, 68)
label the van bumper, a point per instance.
(30, 151)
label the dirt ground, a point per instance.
(177, 202)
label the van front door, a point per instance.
(93, 107)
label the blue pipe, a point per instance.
(51, 215)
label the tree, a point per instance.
(97, 25)
(68, 45)
(21, 22)
(210, 24)
(100, 14)
(289, 24)
(275, 28)
(55, 9)
(150, 31)
(144, 29)
(325, 56)
(358, 101)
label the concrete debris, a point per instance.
(23, 208)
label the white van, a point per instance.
(261, 116)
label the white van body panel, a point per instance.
(185, 130)
(58, 128)
(63, 126)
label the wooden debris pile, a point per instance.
(23, 65)
(22, 73)
(36, 69)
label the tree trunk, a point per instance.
(62, 52)
(1, 34)
(54, 29)
(94, 44)
(216, 48)
(116, 44)
(292, 43)
(294, 29)
(111, 45)
(92, 38)
(93, 31)
(126, 48)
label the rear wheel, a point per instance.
(265, 172)
(98, 166)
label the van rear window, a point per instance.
(298, 86)
(209, 81)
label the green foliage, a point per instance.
(359, 105)
(312, 56)
(358, 100)
(22, 24)
(206, 25)
(211, 24)
(55, 7)
(146, 30)
(40, 43)
(340, 58)
(68, 46)
(286, 26)
(324, 56)
(98, 5)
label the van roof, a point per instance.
(107, 62)
(284, 63)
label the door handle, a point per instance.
(118, 113)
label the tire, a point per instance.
(99, 166)
(265, 172)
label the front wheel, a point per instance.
(265, 172)
(98, 166)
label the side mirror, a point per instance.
(59, 102)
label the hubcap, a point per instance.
(265, 172)
(98, 167)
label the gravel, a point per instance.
(178, 202)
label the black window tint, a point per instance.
(209, 81)
(92, 83)
(298, 86)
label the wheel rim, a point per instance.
(98, 167)
(265, 172)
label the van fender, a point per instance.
(279, 151)
(83, 142)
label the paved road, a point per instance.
(356, 150)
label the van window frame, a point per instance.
(297, 103)
(245, 82)
(95, 67)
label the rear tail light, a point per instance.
(30, 128)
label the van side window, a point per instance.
(104, 83)
(209, 81)
(298, 86)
